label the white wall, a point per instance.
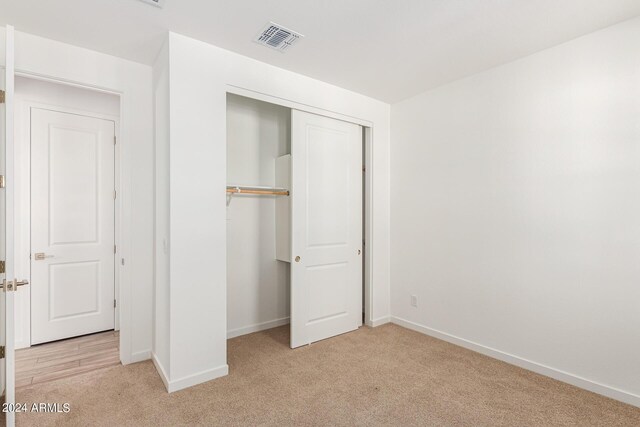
(516, 211)
(73, 97)
(200, 76)
(161, 338)
(257, 284)
(29, 92)
(37, 56)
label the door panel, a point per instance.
(7, 323)
(326, 211)
(3, 230)
(72, 225)
(79, 279)
(73, 183)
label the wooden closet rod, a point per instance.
(264, 191)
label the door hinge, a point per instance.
(114, 304)
(115, 194)
(2, 267)
(1, 97)
(3, 183)
(2, 352)
(115, 140)
(115, 249)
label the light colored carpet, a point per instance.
(383, 376)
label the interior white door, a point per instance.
(326, 221)
(72, 225)
(7, 326)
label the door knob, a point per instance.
(41, 255)
(12, 285)
(297, 259)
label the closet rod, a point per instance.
(265, 191)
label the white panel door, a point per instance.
(72, 225)
(326, 221)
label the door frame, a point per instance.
(23, 172)
(9, 374)
(367, 128)
(22, 159)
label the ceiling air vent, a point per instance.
(158, 3)
(277, 37)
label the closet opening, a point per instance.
(297, 220)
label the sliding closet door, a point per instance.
(326, 220)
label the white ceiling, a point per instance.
(387, 49)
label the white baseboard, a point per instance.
(198, 378)
(140, 356)
(257, 327)
(190, 380)
(612, 392)
(380, 321)
(163, 374)
(22, 344)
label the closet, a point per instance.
(294, 221)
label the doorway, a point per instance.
(66, 158)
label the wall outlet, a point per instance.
(414, 301)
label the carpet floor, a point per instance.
(383, 376)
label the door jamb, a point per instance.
(368, 226)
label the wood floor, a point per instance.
(60, 359)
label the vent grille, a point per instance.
(277, 37)
(157, 3)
